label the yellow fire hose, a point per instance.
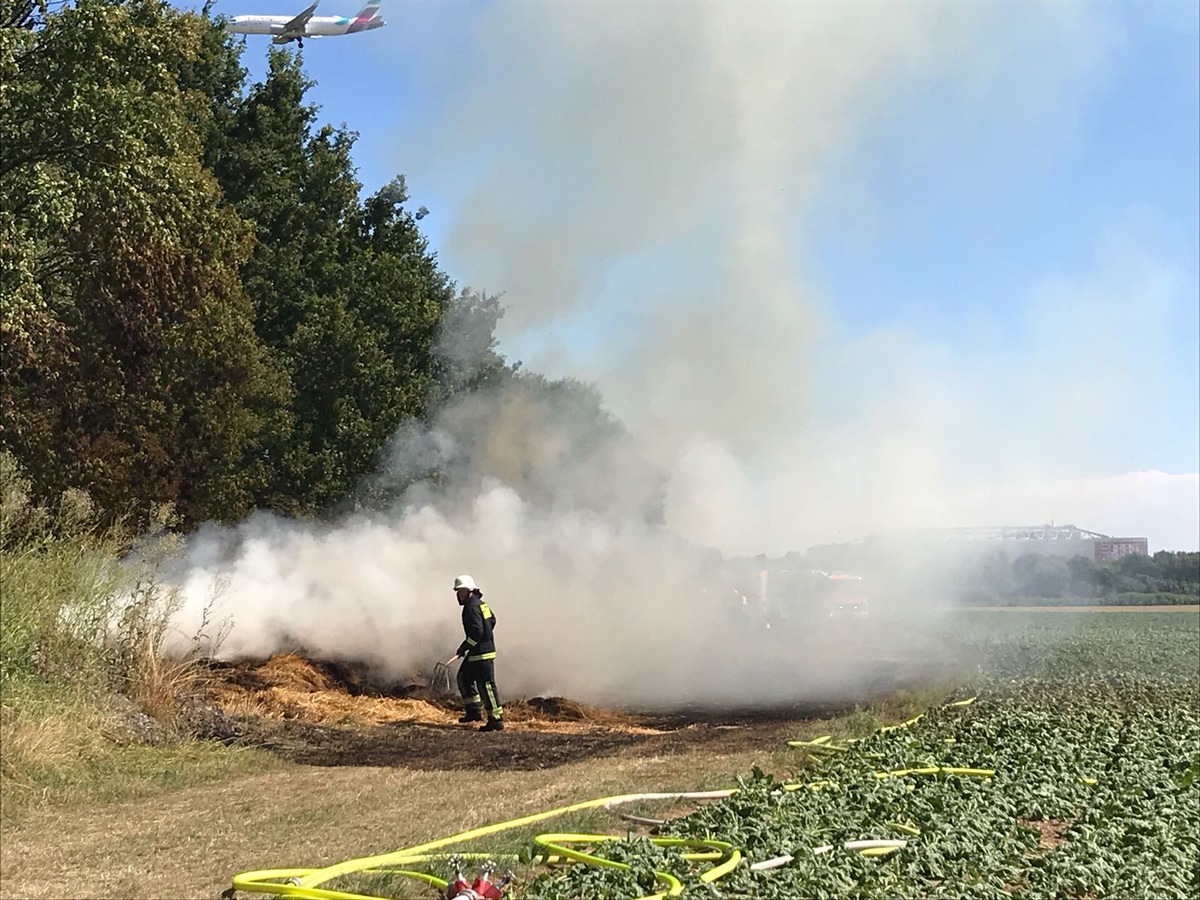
(305, 883)
(722, 850)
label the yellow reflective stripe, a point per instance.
(497, 709)
(486, 610)
(471, 642)
(480, 656)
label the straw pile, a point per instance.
(289, 687)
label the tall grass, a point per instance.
(82, 628)
(78, 618)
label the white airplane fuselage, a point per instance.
(285, 29)
(317, 26)
(323, 25)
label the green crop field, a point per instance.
(1081, 753)
(1065, 765)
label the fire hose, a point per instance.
(305, 883)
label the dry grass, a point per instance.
(146, 827)
(42, 743)
(63, 743)
(41, 750)
(163, 686)
(83, 755)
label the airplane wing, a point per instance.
(296, 25)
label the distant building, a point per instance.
(1053, 540)
(1109, 549)
(1064, 541)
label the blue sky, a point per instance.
(968, 195)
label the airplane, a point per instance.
(284, 29)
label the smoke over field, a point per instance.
(654, 179)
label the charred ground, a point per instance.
(339, 713)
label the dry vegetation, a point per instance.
(289, 687)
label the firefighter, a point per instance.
(477, 674)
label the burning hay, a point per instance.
(289, 687)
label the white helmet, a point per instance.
(465, 581)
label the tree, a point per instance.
(346, 292)
(1138, 564)
(21, 13)
(201, 308)
(130, 367)
(467, 359)
(1041, 576)
(1181, 568)
(554, 443)
(1083, 576)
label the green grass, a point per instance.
(1153, 598)
(120, 773)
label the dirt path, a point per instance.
(360, 791)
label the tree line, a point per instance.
(1164, 576)
(200, 306)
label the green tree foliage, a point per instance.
(21, 13)
(550, 440)
(1038, 575)
(555, 443)
(130, 365)
(1034, 576)
(993, 576)
(467, 358)
(346, 292)
(1183, 568)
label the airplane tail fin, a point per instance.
(367, 18)
(368, 12)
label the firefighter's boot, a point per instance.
(493, 725)
(472, 714)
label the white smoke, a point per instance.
(587, 607)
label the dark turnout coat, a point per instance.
(478, 621)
